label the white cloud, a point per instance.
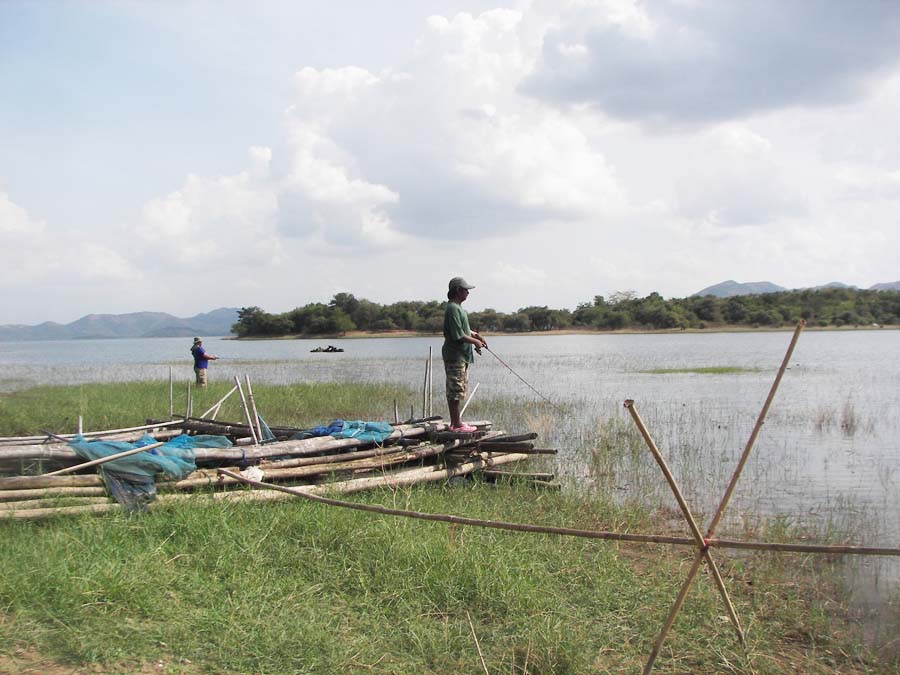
(15, 221)
(31, 253)
(216, 221)
(554, 149)
(675, 62)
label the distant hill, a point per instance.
(136, 324)
(730, 288)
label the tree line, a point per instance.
(622, 310)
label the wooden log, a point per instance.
(503, 446)
(32, 482)
(539, 476)
(400, 479)
(347, 456)
(255, 416)
(28, 504)
(207, 426)
(43, 514)
(13, 495)
(381, 461)
(253, 435)
(62, 452)
(30, 440)
(310, 446)
(515, 438)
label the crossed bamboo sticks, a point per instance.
(702, 542)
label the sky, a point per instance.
(180, 156)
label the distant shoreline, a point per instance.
(357, 334)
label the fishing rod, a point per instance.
(509, 368)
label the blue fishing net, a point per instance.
(130, 480)
(371, 432)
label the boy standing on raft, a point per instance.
(457, 352)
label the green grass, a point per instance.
(710, 370)
(302, 588)
(119, 405)
(297, 587)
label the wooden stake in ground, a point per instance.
(253, 435)
(679, 601)
(477, 646)
(259, 434)
(471, 396)
(215, 409)
(702, 548)
(425, 392)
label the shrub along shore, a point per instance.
(822, 308)
(298, 587)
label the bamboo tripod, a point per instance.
(702, 542)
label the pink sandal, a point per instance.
(464, 429)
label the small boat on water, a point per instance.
(330, 349)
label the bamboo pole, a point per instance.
(15, 495)
(28, 504)
(103, 460)
(471, 396)
(171, 396)
(725, 499)
(187, 400)
(759, 422)
(219, 403)
(255, 418)
(344, 487)
(477, 646)
(29, 440)
(237, 381)
(430, 382)
(30, 482)
(702, 551)
(80, 426)
(396, 413)
(425, 392)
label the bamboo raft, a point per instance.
(32, 486)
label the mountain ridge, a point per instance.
(129, 325)
(731, 288)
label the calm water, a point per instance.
(828, 454)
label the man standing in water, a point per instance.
(457, 352)
(201, 361)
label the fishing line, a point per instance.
(509, 368)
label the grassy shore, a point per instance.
(296, 587)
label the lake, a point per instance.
(827, 456)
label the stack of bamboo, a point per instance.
(421, 451)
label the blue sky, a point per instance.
(181, 156)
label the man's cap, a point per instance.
(196, 340)
(459, 282)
